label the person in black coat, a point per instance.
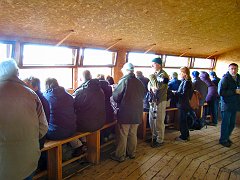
(184, 93)
(89, 104)
(229, 91)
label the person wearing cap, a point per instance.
(158, 84)
(214, 78)
(229, 91)
(129, 95)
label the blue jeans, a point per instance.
(228, 124)
(183, 124)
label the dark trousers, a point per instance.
(42, 162)
(228, 124)
(213, 110)
(183, 124)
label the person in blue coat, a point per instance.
(173, 85)
(229, 91)
(62, 123)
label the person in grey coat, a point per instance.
(129, 95)
(22, 124)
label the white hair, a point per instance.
(8, 68)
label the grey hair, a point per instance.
(8, 68)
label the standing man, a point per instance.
(229, 91)
(158, 84)
(129, 95)
(22, 124)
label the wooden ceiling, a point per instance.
(201, 28)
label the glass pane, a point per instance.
(41, 55)
(145, 70)
(63, 76)
(176, 61)
(95, 71)
(202, 63)
(98, 57)
(5, 51)
(141, 59)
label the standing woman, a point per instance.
(184, 93)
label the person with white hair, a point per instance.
(129, 95)
(22, 124)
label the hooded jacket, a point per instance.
(212, 88)
(89, 105)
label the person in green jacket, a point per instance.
(158, 84)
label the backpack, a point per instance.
(200, 123)
(194, 101)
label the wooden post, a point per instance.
(142, 128)
(55, 163)
(93, 144)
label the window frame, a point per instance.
(213, 63)
(137, 66)
(13, 43)
(173, 67)
(21, 65)
(81, 58)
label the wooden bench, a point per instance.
(142, 129)
(54, 152)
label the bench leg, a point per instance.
(55, 163)
(93, 144)
(142, 128)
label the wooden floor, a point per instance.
(200, 158)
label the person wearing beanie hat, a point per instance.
(214, 78)
(158, 84)
(195, 74)
(212, 97)
(157, 60)
(129, 95)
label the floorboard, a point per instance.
(200, 158)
